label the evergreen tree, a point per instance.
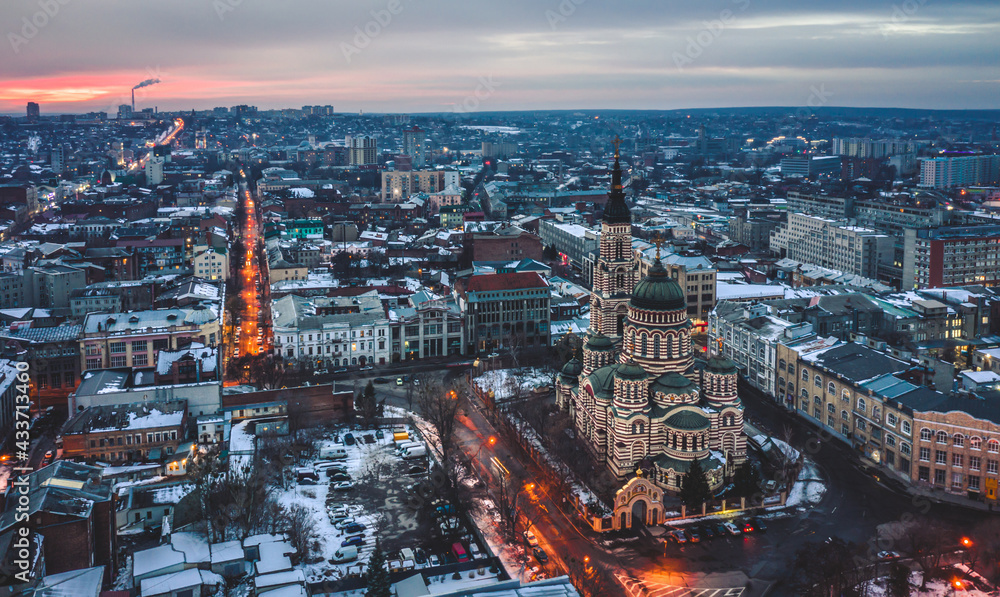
(899, 580)
(694, 489)
(377, 575)
(746, 481)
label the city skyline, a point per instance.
(401, 56)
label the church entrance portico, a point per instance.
(639, 503)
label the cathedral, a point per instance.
(639, 398)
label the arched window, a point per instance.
(993, 446)
(644, 353)
(861, 405)
(843, 415)
(958, 440)
(656, 347)
(670, 347)
(817, 400)
(637, 428)
(805, 375)
(831, 389)
(781, 382)
(925, 434)
(976, 443)
(830, 408)
(791, 385)
(845, 395)
(942, 437)
(805, 393)
(876, 413)
(781, 365)
(818, 381)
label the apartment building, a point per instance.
(950, 172)
(573, 240)
(335, 340)
(397, 185)
(504, 311)
(133, 339)
(951, 256)
(832, 243)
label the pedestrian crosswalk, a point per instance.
(640, 588)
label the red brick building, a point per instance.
(128, 432)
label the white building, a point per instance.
(211, 263)
(832, 243)
(340, 340)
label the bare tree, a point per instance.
(302, 533)
(923, 539)
(439, 406)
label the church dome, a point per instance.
(631, 371)
(572, 368)
(599, 342)
(673, 383)
(603, 381)
(688, 420)
(658, 292)
(720, 365)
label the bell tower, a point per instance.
(617, 270)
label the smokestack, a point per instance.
(133, 99)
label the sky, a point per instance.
(474, 55)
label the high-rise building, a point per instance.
(124, 112)
(832, 243)
(154, 171)
(951, 256)
(414, 145)
(398, 186)
(33, 112)
(362, 150)
(201, 139)
(866, 147)
(946, 173)
(58, 159)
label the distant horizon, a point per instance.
(828, 108)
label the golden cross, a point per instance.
(657, 240)
(616, 142)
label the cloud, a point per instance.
(429, 55)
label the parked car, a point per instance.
(706, 531)
(355, 540)
(680, 537)
(321, 372)
(434, 560)
(420, 557)
(308, 481)
(721, 530)
(759, 525)
(366, 368)
(746, 526)
(381, 380)
(399, 381)
(369, 438)
(693, 536)
(887, 555)
(349, 439)
(49, 455)
(345, 554)
(354, 527)
(343, 523)
(338, 477)
(333, 471)
(343, 486)
(731, 528)
(530, 539)
(540, 555)
(474, 550)
(341, 370)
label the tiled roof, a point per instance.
(511, 281)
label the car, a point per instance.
(885, 556)
(721, 530)
(355, 540)
(379, 434)
(746, 526)
(530, 539)
(320, 372)
(349, 439)
(680, 537)
(381, 380)
(416, 470)
(338, 477)
(732, 529)
(340, 370)
(340, 524)
(540, 555)
(493, 355)
(693, 536)
(369, 438)
(353, 528)
(308, 481)
(343, 486)
(706, 531)
(434, 560)
(49, 455)
(333, 471)
(366, 368)
(420, 557)
(474, 552)
(758, 525)
(399, 381)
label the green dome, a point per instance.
(687, 420)
(599, 342)
(721, 365)
(631, 371)
(572, 368)
(672, 383)
(658, 292)
(603, 380)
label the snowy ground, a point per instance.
(808, 489)
(504, 382)
(935, 588)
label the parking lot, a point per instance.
(358, 487)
